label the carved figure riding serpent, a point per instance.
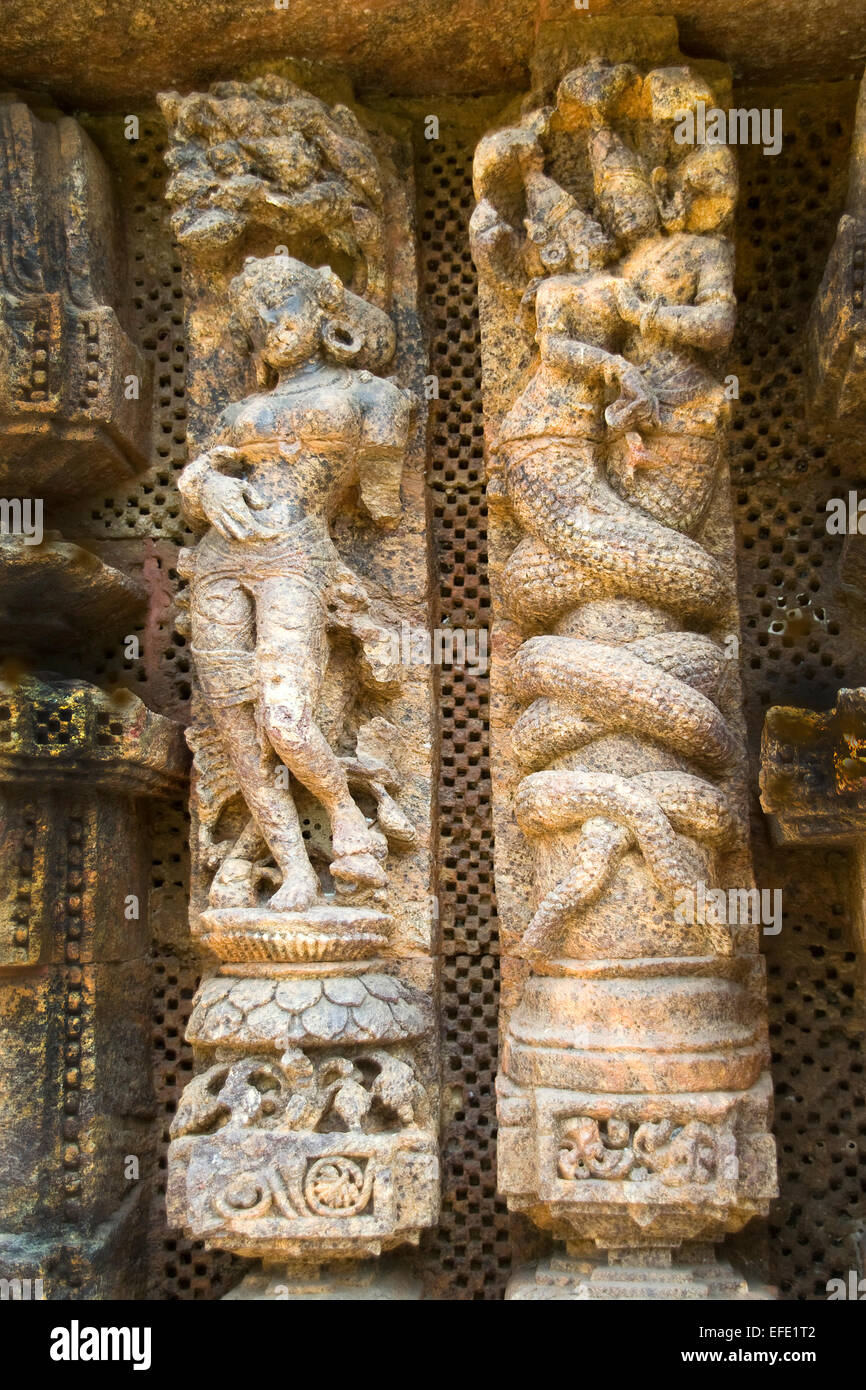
(607, 495)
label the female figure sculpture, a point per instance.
(605, 493)
(266, 576)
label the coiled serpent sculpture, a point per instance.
(608, 458)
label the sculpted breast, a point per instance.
(314, 415)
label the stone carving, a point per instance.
(679, 1154)
(68, 422)
(77, 765)
(304, 1010)
(813, 783)
(267, 582)
(364, 1092)
(311, 804)
(617, 739)
(266, 153)
(76, 768)
(836, 370)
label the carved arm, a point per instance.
(211, 496)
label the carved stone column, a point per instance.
(76, 768)
(308, 1138)
(77, 765)
(634, 1096)
(813, 784)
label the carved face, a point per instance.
(708, 178)
(280, 308)
(632, 212)
(289, 328)
(625, 196)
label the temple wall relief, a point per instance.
(309, 1134)
(634, 1095)
(78, 764)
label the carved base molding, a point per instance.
(366, 1281)
(618, 1169)
(658, 1276)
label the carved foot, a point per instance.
(351, 835)
(359, 870)
(233, 885)
(295, 894)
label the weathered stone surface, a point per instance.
(344, 1281)
(813, 772)
(836, 333)
(75, 762)
(74, 391)
(309, 1010)
(407, 46)
(652, 1275)
(75, 981)
(97, 599)
(813, 783)
(77, 731)
(311, 813)
(634, 1101)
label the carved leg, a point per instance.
(223, 626)
(272, 806)
(292, 652)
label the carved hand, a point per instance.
(229, 505)
(630, 305)
(636, 405)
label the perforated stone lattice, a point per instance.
(797, 647)
(800, 645)
(472, 1244)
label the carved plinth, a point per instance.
(624, 1169)
(322, 932)
(309, 1133)
(75, 769)
(273, 1193)
(634, 1099)
(651, 1275)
